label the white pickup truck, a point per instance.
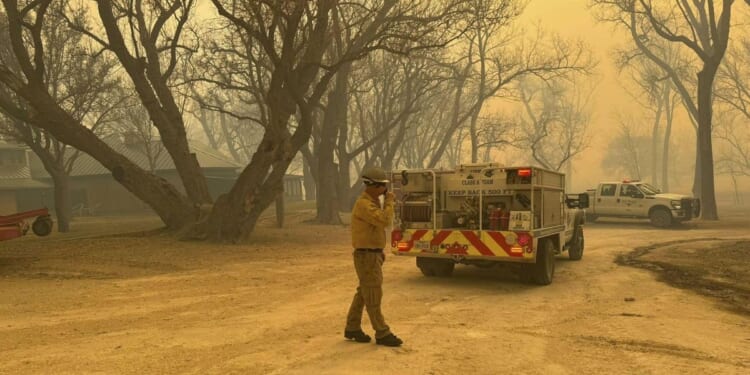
(635, 199)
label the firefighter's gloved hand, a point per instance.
(389, 196)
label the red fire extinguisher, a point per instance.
(504, 219)
(496, 215)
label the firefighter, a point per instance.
(369, 221)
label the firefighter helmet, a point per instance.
(374, 175)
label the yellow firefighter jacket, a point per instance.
(369, 222)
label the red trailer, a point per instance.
(16, 225)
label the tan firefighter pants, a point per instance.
(369, 267)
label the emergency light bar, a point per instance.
(524, 173)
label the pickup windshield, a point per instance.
(648, 189)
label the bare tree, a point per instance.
(297, 42)
(658, 96)
(293, 37)
(698, 26)
(150, 44)
(733, 94)
(386, 102)
(733, 86)
(136, 129)
(734, 146)
(420, 25)
(79, 82)
(627, 152)
(491, 57)
(554, 123)
(30, 86)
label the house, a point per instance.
(18, 190)
(94, 191)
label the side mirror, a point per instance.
(583, 200)
(577, 200)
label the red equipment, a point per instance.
(15, 225)
(499, 219)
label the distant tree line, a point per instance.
(332, 86)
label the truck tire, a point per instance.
(575, 251)
(590, 218)
(435, 267)
(425, 266)
(660, 217)
(443, 267)
(544, 269)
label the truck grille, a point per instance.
(687, 206)
(421, 212)
(691, 207)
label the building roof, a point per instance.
(22, 183)
(19, 177)
(85, 165)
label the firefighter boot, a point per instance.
(390, 340)
(358, 336)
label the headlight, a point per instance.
(676, 205)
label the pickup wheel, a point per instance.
(660, 217)
(544, 269)
(575, 251)
(591, 218)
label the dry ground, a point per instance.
(104, 299)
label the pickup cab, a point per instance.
(635, 199)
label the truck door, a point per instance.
(631, 199)
(606, 200)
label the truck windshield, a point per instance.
(648, 189)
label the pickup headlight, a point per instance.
(675, 204)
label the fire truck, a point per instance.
(487, 215)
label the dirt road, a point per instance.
(150, 304)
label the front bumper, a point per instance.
(689, 208)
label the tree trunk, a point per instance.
(667, 136)
(705, 148)
(203, 119)
(334, 118)
(171, 205)
(228, 138)
(158, 100)
(308, 181)
(474, 136)
(234, 215)
(63, 208)
(280, 211)
(455, 124)
(697, 175)
(655, 145)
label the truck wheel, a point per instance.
(660, 217)
(42, 226)
(425, 266)
(435, 267)
(443, 267)
(590, 218)
(544, 268)
(575, 252)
